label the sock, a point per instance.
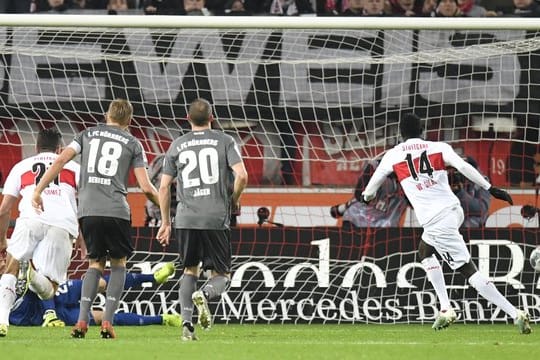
(188, 285)
(115, 287)
(7, 296)
(435, 275)
(490, 293)
(48, 304)
(88, 293)
(136, 319)
(215, 286)
(40, 285)
(134, 279)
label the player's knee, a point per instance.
(425, 250)
(467, 270)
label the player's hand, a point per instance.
(37, 202)
(501, 195)
(367, 199)
(236, 209)
(164, 234)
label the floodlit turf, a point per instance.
(377, 342)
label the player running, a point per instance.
(420, 167)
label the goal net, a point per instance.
(310, 101)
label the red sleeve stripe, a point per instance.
(68, 177)
(28, 178)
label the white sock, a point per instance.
(490, 293)
(41, 285)
(7, 296)
(435, 275)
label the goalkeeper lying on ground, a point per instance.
(63, 308)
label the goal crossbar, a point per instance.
(268, 22)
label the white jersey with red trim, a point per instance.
(420, 167)
(59, 198)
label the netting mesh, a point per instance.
(290, 97)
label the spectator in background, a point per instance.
(356, 7)
(236, 8)
(196, 7)
(57, 6)
(474, 199)
(117, 5)
(526, 8)
(163, 7)
(371, 7)
(412, 7)
(469, 8)
(17, 6)
(447, 8)
(288, 7)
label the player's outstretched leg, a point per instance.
(188, 332)
(205, 317)
(172, 320)
(164, 272)
(107, 330)
(79, 330)
(51, 320)
(522, 322)
(444, 319)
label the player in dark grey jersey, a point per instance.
(210, 179)
(108, 152)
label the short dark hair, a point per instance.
(410, 126)
(49, 139)
(200, 112)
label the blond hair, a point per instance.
(120, 112)
(200, 112)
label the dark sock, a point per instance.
(88, 293)
(188, 285)
(114, 291)
(136, 319)
(215, 286)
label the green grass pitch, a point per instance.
(376, 342)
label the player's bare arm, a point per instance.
(52, 172)
(240, 182)
(149, 190)
(164, 232)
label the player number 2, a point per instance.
(107, 162)
(424, 166)
(206, 160)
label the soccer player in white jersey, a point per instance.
(420, 167)
(45, 238)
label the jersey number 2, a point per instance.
(424, 166)
(206, 160)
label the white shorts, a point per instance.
(48, 246)
(442, 232)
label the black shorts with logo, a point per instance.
(106, 236)
(211, 247)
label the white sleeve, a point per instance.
(451, 158)
(75, 146)
(377, 179)
(12, 186)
